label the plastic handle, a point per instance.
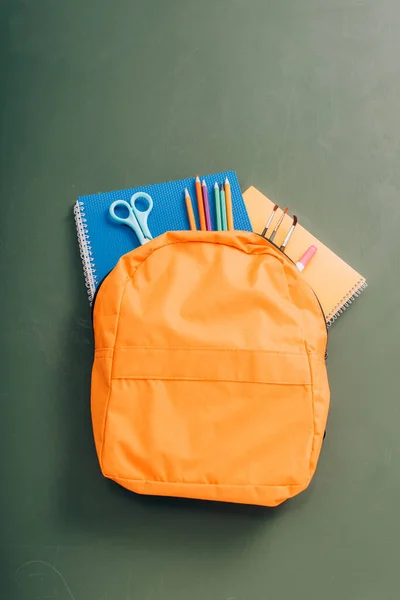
(142, 215)
(129, 220)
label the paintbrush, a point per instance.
(273, 234)
(271, 216)
(289, 235)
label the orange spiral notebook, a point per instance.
(335, 283)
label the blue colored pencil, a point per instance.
(217, 206)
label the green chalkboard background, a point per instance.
(301, 98)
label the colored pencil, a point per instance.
(206, 205)
(228, 201)
(217, 207)
(223, 208)
(189, 208)
(200, 205)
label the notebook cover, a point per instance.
(102, 242)
(335, 283)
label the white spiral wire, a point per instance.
(85, 249)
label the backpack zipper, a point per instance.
(96, 292)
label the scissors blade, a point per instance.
(138, 230)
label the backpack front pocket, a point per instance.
(209, 417)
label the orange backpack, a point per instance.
(209, 377)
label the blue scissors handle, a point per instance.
(143, 215)
(136, 218)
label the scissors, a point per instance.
(136, 218)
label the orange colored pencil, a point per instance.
(200, 205)
(228, 203)
(189, 208)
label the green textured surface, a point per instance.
(301, 98)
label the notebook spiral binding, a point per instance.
(345, 302)
(85, 250)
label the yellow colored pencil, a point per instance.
(189, 208)
(228, 202)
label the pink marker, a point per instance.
(305, 259)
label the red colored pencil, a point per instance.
(200, 205)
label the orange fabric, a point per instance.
(209, 377)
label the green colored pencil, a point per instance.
(223, 208)
(217, 207)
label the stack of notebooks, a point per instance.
(102, 242)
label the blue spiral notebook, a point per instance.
(102, 242)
